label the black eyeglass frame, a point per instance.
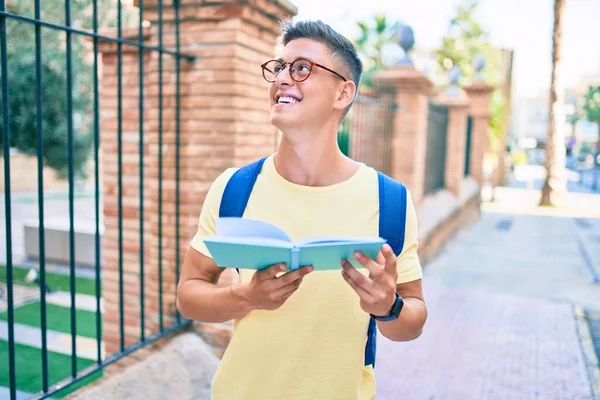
(285, 64)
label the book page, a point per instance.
(337, 239)
(245, 227)
(256, 241)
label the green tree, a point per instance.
(591, 106)
(465, 40)
(374, 34)
(22, 82)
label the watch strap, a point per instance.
(394, 311)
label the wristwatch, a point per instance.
(394, 312)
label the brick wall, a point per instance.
(409, 133)
(129, 195)
(223, 123)
(442, 213)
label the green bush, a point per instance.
(343, 140)
(22, 82)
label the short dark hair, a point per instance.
(341, 48)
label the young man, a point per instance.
(301, 335)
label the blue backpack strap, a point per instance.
(238, 189)
(392, 212)
(392, 224)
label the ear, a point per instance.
(345, 95)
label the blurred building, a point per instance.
(586, 131)
(530, 119)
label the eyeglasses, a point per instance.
(300, 69)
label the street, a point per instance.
(513, 305)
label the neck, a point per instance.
(313, 159)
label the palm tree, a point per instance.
(373, 36)
(554, 189)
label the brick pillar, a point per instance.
(109, 123)
(224, 121)
(479, 96)
(409, 134)
(456, 141)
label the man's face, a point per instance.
(295, 105)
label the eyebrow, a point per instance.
(297, 58)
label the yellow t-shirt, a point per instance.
(313, 346)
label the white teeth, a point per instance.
(287, 100)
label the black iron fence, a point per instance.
(468, 145)
(66, 125)
(437, 137)
(366, 133)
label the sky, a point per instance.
(524, 26)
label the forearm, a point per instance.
(204, 301)
(409, 324)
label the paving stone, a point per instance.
(480, 345)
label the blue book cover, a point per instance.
(252, 244)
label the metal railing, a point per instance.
(76, 375)
(468, 141)
(367, 131)
(437, 137)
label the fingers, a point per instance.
(374, 268)
(285, 291)
(380, 259)
(294, 275)
(390, 258)
(359, 289)
(280, 289)
(271, 272)
(349, 272)
(385, 260)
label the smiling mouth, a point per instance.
(287, 100)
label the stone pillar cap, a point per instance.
(479, 86)
(283, 5)
(404, 77)
(452, 101)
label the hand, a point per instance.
(266, 291)
(377, 292)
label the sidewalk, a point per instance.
(502, 298)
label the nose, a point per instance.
(284, 78)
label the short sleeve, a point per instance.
(207, 222)
(408, 263)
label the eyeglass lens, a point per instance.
(299, 70)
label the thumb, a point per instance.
(272, 271)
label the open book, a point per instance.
(252, 244)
